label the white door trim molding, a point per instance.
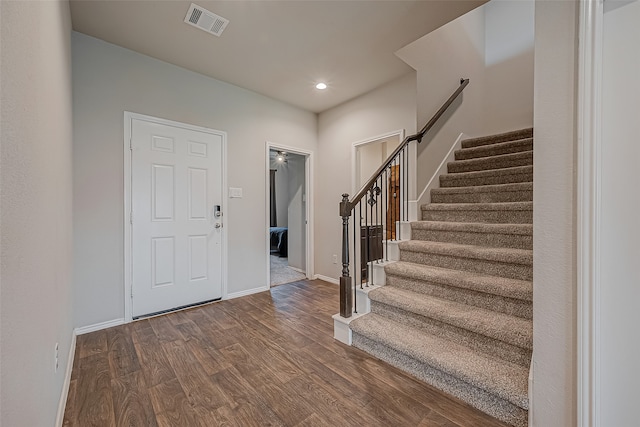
(309, 210)
(128, 118)
(399, 133)
(591, 19)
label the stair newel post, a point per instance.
(346, 291)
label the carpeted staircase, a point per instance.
(456, 311)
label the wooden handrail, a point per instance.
(347, 300)
(416, 137)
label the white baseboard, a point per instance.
(98, 326)
(299, 270)
(327, 279)
(247, 292)
(62, 404)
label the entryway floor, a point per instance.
(264, 359)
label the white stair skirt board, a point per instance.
(363, 303)
(434, 182)
(341, 330)
(404, 229)
(413, 209)
(378, 275)
(391, 249)
(531, 393)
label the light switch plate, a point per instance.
(235, 193)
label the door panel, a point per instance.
(176, 246)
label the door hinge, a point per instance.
(131, 217)
(130, 144)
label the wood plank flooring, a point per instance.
(268, 359)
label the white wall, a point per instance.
(386, 109)
(554, 216)
(492, 46)
(108, 80)
(35, 222)
(508, 76)
(296, 212)
(619, 317)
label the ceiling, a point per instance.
(277, 48)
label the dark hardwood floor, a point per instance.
(268, 359)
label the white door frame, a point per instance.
(354, 147)
(308, 189)
(590, 21)
(128, 241)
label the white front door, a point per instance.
(176, 182)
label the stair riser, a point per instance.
(442, 196)
(521, 159)
(474, 396)
(477, 342)
(448, 181)
(495, 139)
(493, 268)
(505, 217)
(494, 240)
(494, 150)
(510, 306)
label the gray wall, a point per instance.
(282, 192)
(492, 46)
(35, 223)
(554, 216)
(386, 109)
(296, 212)
(108, 80)
(619, 318)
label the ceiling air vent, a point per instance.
(208, 21)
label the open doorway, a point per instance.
(287, 216)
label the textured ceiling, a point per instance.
(276, 48)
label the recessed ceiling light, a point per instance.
(321, 86)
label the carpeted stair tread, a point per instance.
(502, 212)
(503, 206)
(495, 149)
(488, 177)
(499, 326)
(517, 192)
(504, 262)
(518, 236)
(501, 378)
(523, 158)
(497, 138)
(474, 227)
(501, 286)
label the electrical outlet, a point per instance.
(57, 349)
(335, 258)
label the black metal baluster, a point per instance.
(386, 214)
(359, 266)
(355, 268)
(406, 183)
(380, 227)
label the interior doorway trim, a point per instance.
(589, 127)
(354, 148)
(309, 185)
(128, 241)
